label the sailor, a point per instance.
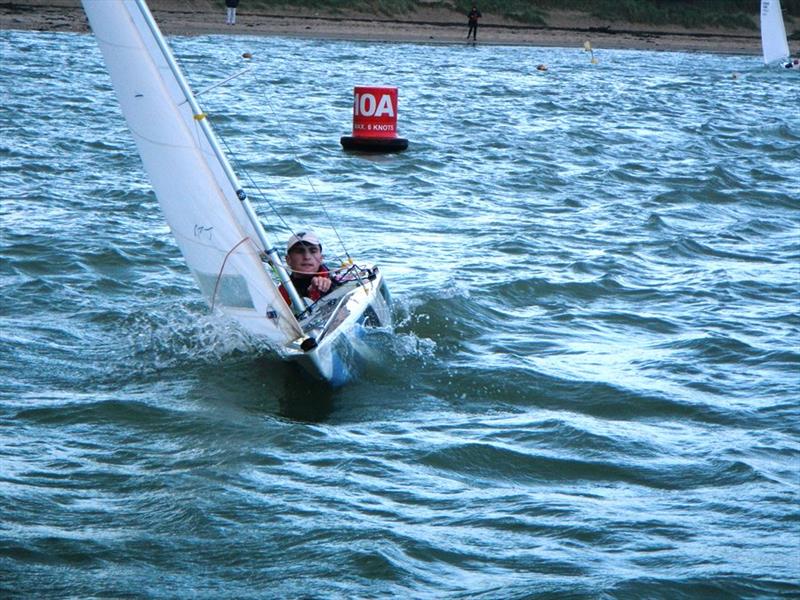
(310, 275)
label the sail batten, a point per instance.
(194, 185)
(774, 44)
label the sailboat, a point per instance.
(227, 249)
(774, 44)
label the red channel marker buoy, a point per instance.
(374, 121)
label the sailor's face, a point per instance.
(304, 259)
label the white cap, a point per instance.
(309, 237)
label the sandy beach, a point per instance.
(432, 25)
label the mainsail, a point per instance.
(773, 33)
(192, 182)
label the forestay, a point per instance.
(210, 225)
(773, 33)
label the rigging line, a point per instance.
(240, 169)
(263, 197)
(219, 83)
(232, 155)
(259, 192)
(310, 183)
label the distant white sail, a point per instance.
(773, 33)
(210, 225)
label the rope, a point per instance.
(222, 269)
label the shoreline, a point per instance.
(432, 26)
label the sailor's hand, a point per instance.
(321, 284)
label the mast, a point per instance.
(205, 126)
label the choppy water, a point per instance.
(591, 392)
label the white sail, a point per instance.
(773, 33)
(211, 226)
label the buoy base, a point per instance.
(367, 144)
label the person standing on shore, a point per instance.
(231, 6)
(472, 21)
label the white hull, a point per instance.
(334, 349)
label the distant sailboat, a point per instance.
(774, 45)
(222, 240)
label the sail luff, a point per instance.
(217, 238)
(188, 95)
(774, 44)
(268, 247)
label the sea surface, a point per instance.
(591, 389)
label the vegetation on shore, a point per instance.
(687, 13)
